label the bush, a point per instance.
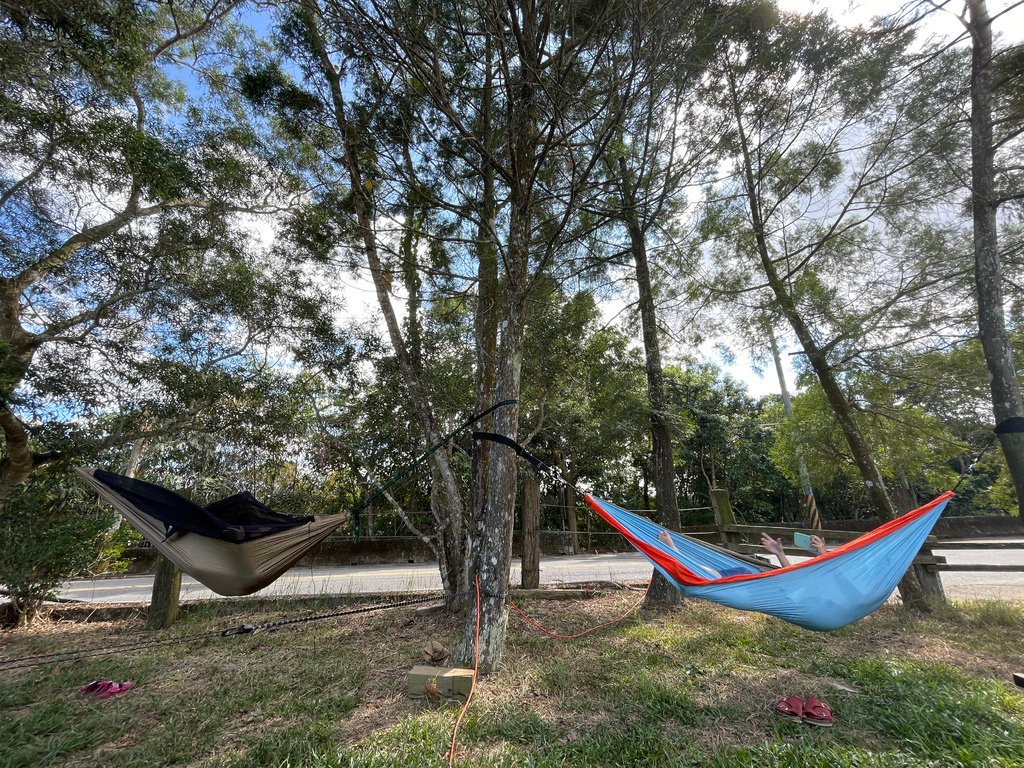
(51, 530)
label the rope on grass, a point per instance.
(245, 629)
(552, 633)
(472, 683)
(57, 657)
(24, 662)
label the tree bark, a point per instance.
(530, 571)
(661, 593)
(488, 303)
(17, 348)
(489, 548)
(988, 277)
(489, 551)
(164, 603)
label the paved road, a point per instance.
(424, 577)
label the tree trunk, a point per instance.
(163, 605)
(530, 572)
(661, 593)
(489, 542)
(489, 550)
(906, 500)
(447, 503)
(787, 408)
(17, 348)
(569, 504)
(488, 304)
(988, 276)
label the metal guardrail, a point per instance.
(926, 557)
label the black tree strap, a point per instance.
(1012, 425)
(542, 469)
(423, 457)
(244, 629)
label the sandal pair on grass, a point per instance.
(810, 710)
(104, 689)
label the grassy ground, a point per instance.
(696, 687)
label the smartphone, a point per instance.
(804, 541)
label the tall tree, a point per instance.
(546, 125)
(334, 128)
(997, 124)
(661, 148)
(124, 274)
(822, 190)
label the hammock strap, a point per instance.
(1012, 425)
(429, 452)
(546, 472)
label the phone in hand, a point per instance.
(804, 541)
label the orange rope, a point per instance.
(472, 684)
(537, 626)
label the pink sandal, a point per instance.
(96, 687)
(116, 688)
(817, 713)
(791, 708)
(104, 689)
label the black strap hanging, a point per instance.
(356, 513)
(546, 471)
(1012, 425)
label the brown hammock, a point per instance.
(235, 546)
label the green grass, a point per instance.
(693, 688)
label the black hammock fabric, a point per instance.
(237, 518)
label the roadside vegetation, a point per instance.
(693, 687)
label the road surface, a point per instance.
(424, 577)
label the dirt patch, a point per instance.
(374, 714)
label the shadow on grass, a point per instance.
(692, 688)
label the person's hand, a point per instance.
(818, 543)
(773, 546)
(665, 539)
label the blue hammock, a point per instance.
(823, 593)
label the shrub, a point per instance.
(51, 530)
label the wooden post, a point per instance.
(724, 516)
(163, 606)
(530, 577)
